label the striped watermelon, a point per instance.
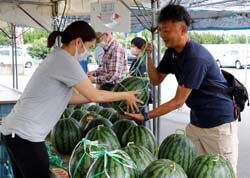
(67, 112)
(95, 123)
(106, 112)
(81, 106)
(132, 84)
(65, 135)
(114, 117)
(78, 114)
(141, 136)
(115, 164)
(95, 108)
(89, 117)
(121, 126)
(105, 136)
(211, 166)
(140, 155)
(80, 160)
(178, 148)
(164, 168)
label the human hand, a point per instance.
(131, 101)
(148, 48)
(136, 117)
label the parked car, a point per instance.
(234, 58)
(23, 57)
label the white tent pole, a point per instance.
(247, 59)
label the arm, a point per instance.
(155, 77)
(91, 94)
(77, 98)
(181, 96)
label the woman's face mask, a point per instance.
(82, 56)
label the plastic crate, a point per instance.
(5, 166)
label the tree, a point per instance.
(34, 34)
(4, 39)
(39, 49)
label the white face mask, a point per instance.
(102, 44)
(82, 56)
(133, 51)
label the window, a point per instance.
(5, 52)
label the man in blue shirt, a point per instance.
(212, 126)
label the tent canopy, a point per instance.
(206, 14)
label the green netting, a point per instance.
(54, 159)
(88, 147)
(117, 155)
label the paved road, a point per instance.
(178, 119)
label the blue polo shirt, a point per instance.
(195, 68)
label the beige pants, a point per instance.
(221, 140)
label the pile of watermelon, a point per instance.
(100, 144)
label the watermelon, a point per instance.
(121, 126)
(164, 168)
(65, 135)
(81, 160)
(211, 166)
(89, 117)
(141, 136)
(104, 136)
(106, 112)
(95, 122)
(178, 148)
(81, 106)
(132, 84)
(140, 155)
(95, 108)
(78, 114)
(67, 112)
(116, 164)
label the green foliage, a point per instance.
(34, 34)
(4, 40)
(209, 38)
(39, 49)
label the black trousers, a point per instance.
(28, 159)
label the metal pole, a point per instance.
(159, 88)
(155, 93)
(14, 57)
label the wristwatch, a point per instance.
(145, 115)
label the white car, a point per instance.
(23, 57)
(234, 58)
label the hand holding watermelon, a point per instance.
(131, 101)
